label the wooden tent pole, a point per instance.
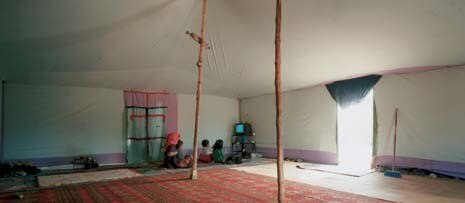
(279, 116)
(202, 43)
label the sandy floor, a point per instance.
(407, 189)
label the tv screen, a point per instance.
(239, 128)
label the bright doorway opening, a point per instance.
(355, 134)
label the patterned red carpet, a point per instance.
(218, 185)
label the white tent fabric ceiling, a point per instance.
(127, 45)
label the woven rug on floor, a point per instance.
(73, 178)
(217, 185)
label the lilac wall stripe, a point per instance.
(227, 150)
(57, 161)
(111, 158)
(313, 156)
(453, 174)
(445, 167)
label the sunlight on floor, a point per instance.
(408, 189)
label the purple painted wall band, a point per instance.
(227, 150)
(455, 169)
(111, 158)
(313, 156)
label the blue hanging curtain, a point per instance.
(346, 92)
(146, 134)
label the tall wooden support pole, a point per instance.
(279, 116)
(193, 174)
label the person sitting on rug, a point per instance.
(171, 153)
(206, 153)
(172, 139)
(183, 161)
(174, 157)
(218, 154)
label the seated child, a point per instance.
(183, 161)
(179, 148)
(218, 154)
(205, 153)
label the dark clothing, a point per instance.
(171, 161)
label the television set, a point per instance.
(239, 128)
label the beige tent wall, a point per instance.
(48, 125)
(217, 118)
(309, 128)
(431, 119)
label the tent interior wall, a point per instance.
(46, 122)
(309, 124)
(91, 121)
(430, 118)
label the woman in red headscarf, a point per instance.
(173, 153)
